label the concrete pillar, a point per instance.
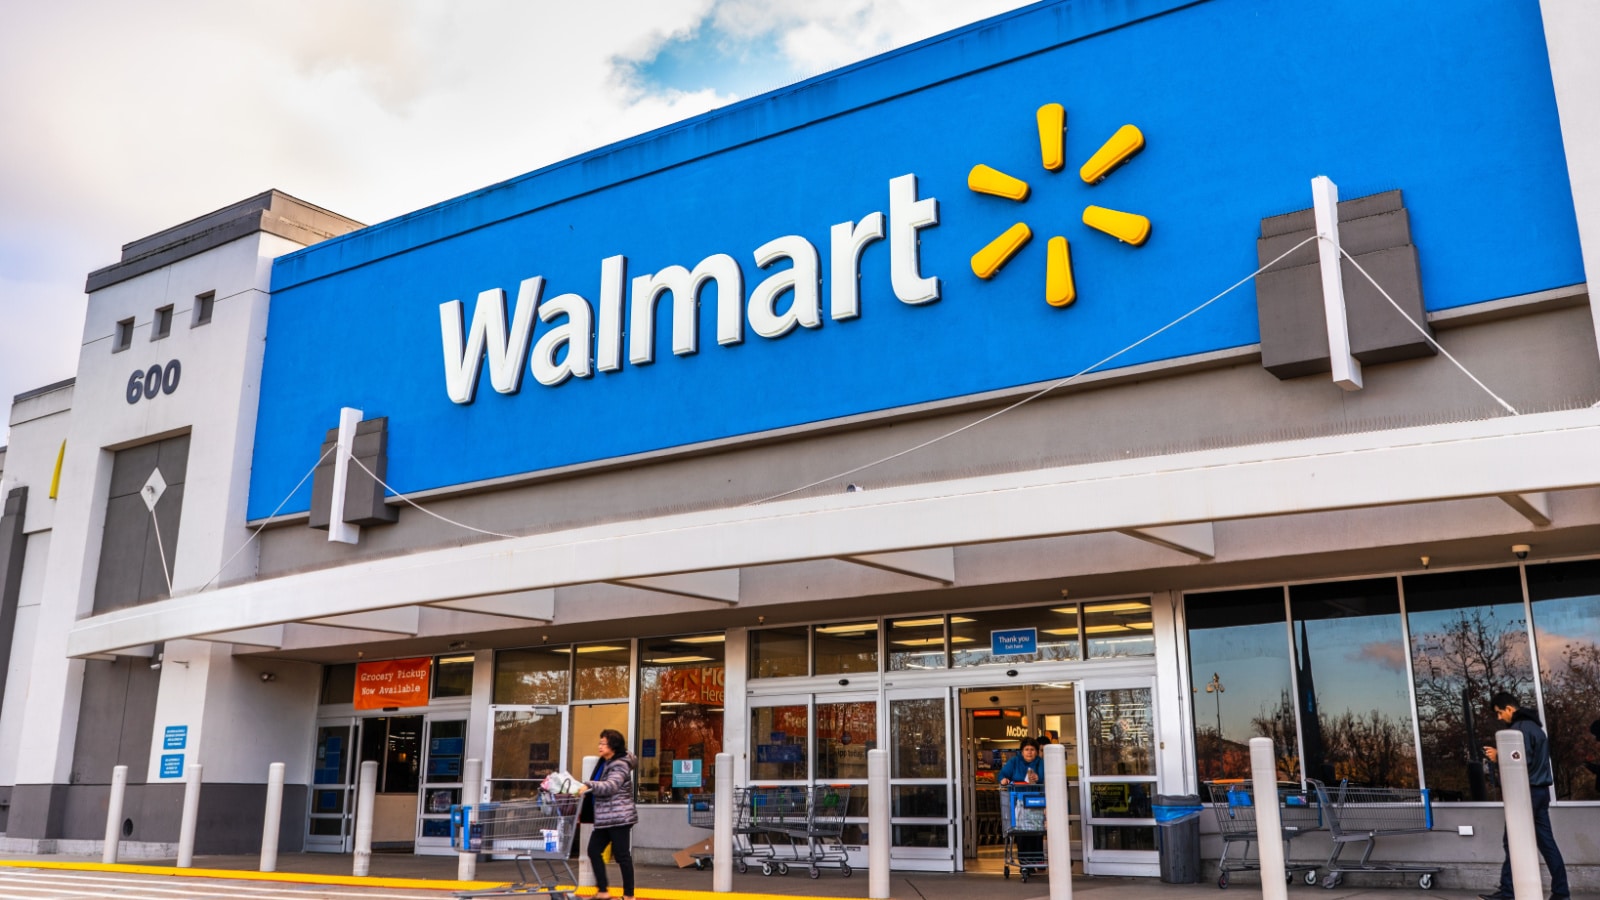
(722, 826)
(1057, 830)
(119, 787)
(366, 796)
(191, 814)
(1521, 846)
(471, 781)
(271, 818)
(1269, 823)
(878, 827)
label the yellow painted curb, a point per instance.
(426, 884)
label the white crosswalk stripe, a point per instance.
(62, 885)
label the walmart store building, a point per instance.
(850, 416)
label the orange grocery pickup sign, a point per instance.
(392, 682)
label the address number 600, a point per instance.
(157, 379)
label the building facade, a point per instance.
(924, 405)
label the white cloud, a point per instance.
(122, 119)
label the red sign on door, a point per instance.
(392, 682)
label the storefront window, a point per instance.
(1239, 669)
(916, 643)
(845, 648)
(536, 675)
(1469, 640)
(680, 716)
(1118, 628)
(601, 671)
(1350, 669)
(1566, 622)
(972, 636)
(779, 652)
(452, 676)
(780, 737)
(339, 683)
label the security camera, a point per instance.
(1521, 550)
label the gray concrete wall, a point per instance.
(229, 822)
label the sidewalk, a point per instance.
(667, 883)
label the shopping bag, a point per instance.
(560, 782)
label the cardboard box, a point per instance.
(686, 857)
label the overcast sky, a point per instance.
(121, 119)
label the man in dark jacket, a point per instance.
(1541, 775)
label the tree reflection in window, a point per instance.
(1239, 666)
(1566, 622)
(1469, 640)
(1350, 668)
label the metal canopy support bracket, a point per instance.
(721, 585)
(1198, 540)
(1325, 202)
(338, 529)
(1533, 507)
(937, 565)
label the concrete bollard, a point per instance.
(1057, 831)
(119, 787)
(471, 787)
(722, 826)
(366, 796)
(878, 824)
(191, 814)
(1269, 821)
(1522, 848)
(585, 868)
(271, 818)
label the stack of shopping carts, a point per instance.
(1365, 814)
(1235, 806)
(530, 831)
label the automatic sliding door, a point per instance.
(922, 801)
(1118, 739)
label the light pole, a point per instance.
(1214, 686)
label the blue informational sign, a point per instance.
(172, 765)
(647, 747)
(577, 257)
(176, 737)
(1014, 642)
(686, 773)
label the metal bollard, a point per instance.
(366, 796)
(271, 818)
(585, 868)
(722, 826)
(1269, 823)
(1521, 846)
(119, 787)
(471, 778)
(1057, 834)
(191, 813)
(878, 824)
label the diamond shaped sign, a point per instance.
(154, 487)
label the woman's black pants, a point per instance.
(620, 838)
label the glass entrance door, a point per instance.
(526, 743)
(330, 827)
(922, 796)
(443, 749)
(1117, 733)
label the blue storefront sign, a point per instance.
(176, 737)
(1014, 642)
(686, 773)
(172, 765)
(677, 281)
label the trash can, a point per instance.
(1178, 837)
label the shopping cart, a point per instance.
(1234, 804)
(765, 816)
(820, 831)
(533, 830)
(1022, 813)
(702, 814)
(1366, 814)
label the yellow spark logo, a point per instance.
(1059, 289)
